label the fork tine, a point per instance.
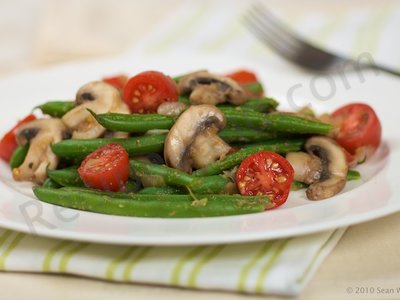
(268, 37)
(279, 29)
(286, 43)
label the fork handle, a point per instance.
(383, 68)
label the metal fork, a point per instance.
(299, 51)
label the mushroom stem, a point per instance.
(307, 167)
(192, 141)
(207, 148)
(334, 168)
(40, 157)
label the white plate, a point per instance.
(378, 193)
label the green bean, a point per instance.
(184, 99)
(56, 109)
(158, 206)
(261, 105)
(236, 116)
(216, 184)
(169, 175)
(50, 183)
(165, 190)
(69, 177)
(66, 177)
(79, 149)
(142, 123)
(175, 177)
(234, 159)
(281, 122)
(133, 122)
(297, 185)
(245, 135)
(254, 87)
(178, 78)
(353, 175)
(18, 156)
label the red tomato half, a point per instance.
(243, 76)
(9, 143)
(117, 81)
(265, 173)
(359, 127)
(106, 169)
(146, 91)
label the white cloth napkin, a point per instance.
(275, 267)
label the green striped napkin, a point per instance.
(278, 267)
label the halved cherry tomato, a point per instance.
(243, 76)
(117, 81)
(9, 142)
(106, 169)
(147, 90)
(265, 173)
(359, 127)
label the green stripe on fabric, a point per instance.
(268, 265)
(244, 274)
(363, 41)
(176, 272)
(10, 248)
(49, 256)
(377, 28)
(260, 49)
(63, 266)
(180, 30)
(322, 36)
(192, 281)
(116, 261)
(134, 261)
(315, 257)
(232, 30)
(4, 237)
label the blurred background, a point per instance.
(36, 33)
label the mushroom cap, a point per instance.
(191, 123)
(334, 167)
(27, 132)
(207, 88)
(96, 91)
(99, 97)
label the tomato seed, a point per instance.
(269, 162)
(281, 179)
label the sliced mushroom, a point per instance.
(307, 167)
(116, 134)
(171, 109)
(193, 140)
(207, 88)
(334, 168)
(40, 134)
(99, 97)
